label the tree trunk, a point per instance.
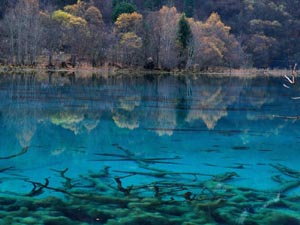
(73, 60)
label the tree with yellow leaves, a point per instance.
(230, 51)
(129, 22)
(130, 44)
(75, 31)
(84, 31)
(68, 20)
(77, 9)
(128, 26)
(96, 35)
(213, 45)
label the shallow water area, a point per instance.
(148, 150)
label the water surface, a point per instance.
(132, 150)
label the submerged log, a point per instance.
(23, 151)
(286, 171)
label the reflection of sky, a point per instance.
(206, 119)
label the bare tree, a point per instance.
(152, 37)
(168, 21)
(51, 36)
(23, 29)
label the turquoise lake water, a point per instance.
(148, 150)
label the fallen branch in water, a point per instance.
(288, 186)
(163, 173)
(37, 188)
(131, 157)
(68, 184)
(6, 168)
(286, 171)
(23, 151)
(126, 191)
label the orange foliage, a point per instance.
(213, 43)
(93, 16)
(129, 22)
(168, 11)
(131, 40)
(77, 9)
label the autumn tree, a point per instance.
(129, 22)
(128, 27)
(84, 32)
(232, 54)
(130, 45)
(75, 33)
(77, 9)
(268, 30)
(213, 45)
(96, 35)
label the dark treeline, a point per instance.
(164, 34)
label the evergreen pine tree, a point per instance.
(184, 32)
(184, 36)
(123, 7)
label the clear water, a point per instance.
(176, 134)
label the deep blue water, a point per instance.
(189, 129)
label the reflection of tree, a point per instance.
(126, 119)
(258, 95)
(91, 123)
(26, 127)
(209, 117)
(150, 102)
(129, 103)
(68, 120)
(210, 101)
(165, 119)
(75, 121)
(21, 116)
(125, 116)
(54, 79)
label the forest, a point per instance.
(155, 34)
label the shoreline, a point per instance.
(113, 71)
